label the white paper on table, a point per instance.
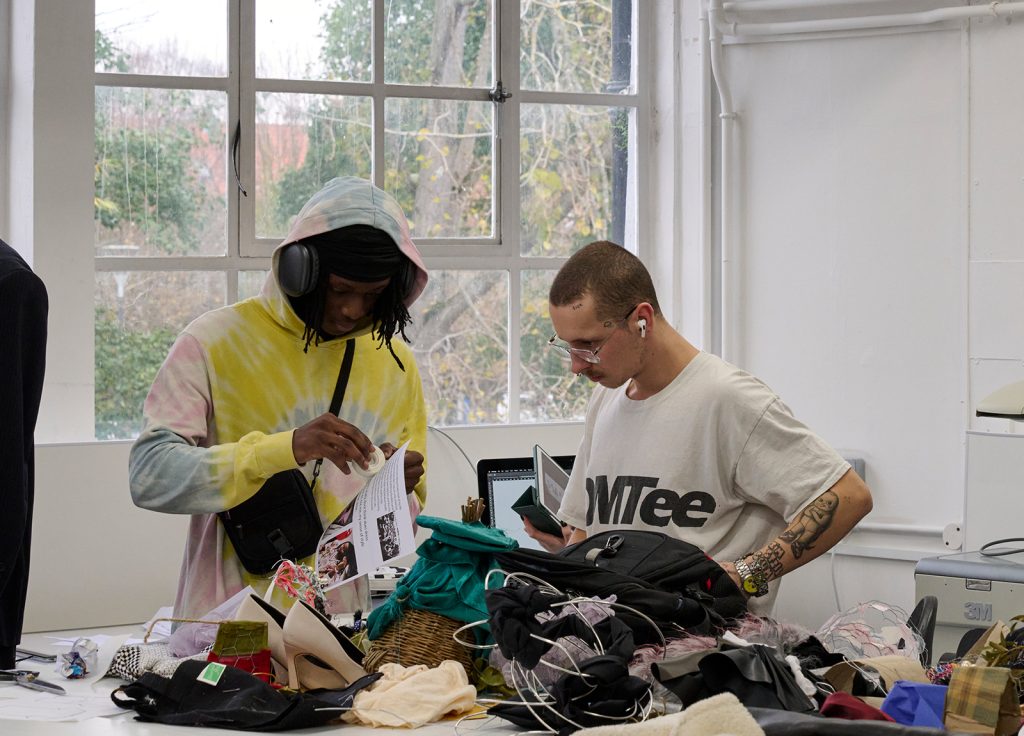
(19, 703)
(376, 529)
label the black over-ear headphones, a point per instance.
(298, 269)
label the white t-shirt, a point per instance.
(715, 459)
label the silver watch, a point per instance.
(751, 580)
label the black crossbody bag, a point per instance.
(281, 521)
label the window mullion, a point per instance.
(379, 25)
(242, 75)
(507, 175)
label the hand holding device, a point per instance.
(550, 542)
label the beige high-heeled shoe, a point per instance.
(311, 640)
(311, 672)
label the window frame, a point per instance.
(501, 251)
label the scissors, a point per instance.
(30, 679)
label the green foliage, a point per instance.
(108, 57)
(145, 182)
(347, 40)
(126, 363)
(149, 147)
(339, 145)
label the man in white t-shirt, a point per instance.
(678, 441)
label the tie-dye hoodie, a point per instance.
(235, 386)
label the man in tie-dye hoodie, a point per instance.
(245, 390)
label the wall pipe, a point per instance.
(894, 20)
(738, 6)
(726, 117)
(900, 529)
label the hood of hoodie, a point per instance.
(341, 202)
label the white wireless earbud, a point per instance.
(642, 324)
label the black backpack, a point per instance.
(670, 581)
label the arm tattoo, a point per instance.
(768, 561)
(813, 522)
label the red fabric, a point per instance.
(844, 705)
(257, 664)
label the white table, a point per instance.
(124, 723)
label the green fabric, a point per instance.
(240, 638)
(448, 578)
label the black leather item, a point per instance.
(298, 268)
(281, 521)
(922, 620)
(755, 674)
(787, 723)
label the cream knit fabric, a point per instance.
(721, 715)
(412, 696)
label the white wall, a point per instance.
(876, 198)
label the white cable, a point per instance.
(835, 585)
(452, 440)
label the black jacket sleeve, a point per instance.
(23, 311)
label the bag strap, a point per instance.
(339, 394)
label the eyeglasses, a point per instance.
(588, 356)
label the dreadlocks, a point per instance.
(360, 253)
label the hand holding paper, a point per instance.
(374, 529)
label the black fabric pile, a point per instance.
(601, 692)
(237, 701)
(670, 582)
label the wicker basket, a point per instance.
(418, 637)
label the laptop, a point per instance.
(503, 481)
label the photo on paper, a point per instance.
(387, 532)
(336, 560)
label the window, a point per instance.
(508, 131)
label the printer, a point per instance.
(974, 590)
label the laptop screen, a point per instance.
(500, 481)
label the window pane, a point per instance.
(444, 42)
(438, 155)
(548, 390)
(302, 142)
(574, 170)
(303, 39)
(580, 46)
(250, 283)
(138, 316)
(460, 338)
(160, 172)
(182, 38)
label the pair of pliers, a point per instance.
(30, 679)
